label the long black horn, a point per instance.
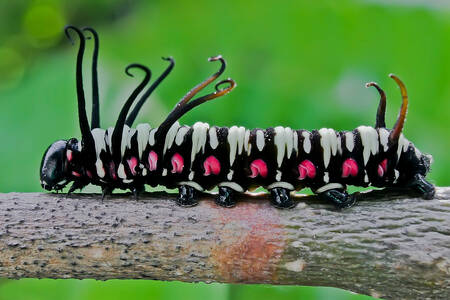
(118, 130)
(138, 106)
(381, 112)
(397, 130)
(87, 139)
(95, 118)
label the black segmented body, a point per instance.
(235, 159)
(288, 169)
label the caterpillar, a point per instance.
(200, 157)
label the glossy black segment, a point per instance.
(225, 197)
(280, 198)
(53, 166)
(186, 196)
(341, 199)
(420, 184)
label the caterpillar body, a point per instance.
(201, 157)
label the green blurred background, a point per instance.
(301, 64)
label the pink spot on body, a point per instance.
(382, 167)
(132, 163)
(306, 169)
(88, 173)
(152, 160)
(112, 170)
(258, 167)
(76, 174)
(349, 168)
(177, 163)
(211, 166)
(69, 155)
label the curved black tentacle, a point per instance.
(137, 108)
(398, 127)
(381, 112)
(205, 83)
(87, 138)
(95, 118)
(118, 130)
(184, 105)
(218, 93)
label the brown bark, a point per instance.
(390, 245)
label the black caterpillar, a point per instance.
(234, 159)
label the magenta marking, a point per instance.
(69, 155)
(177, 163)
(88, 173)
(258, 167)
(152, 160)
(132, 163)
(306, 169)
(211, 166)
(76, 174)
(349, 168)
(382, 167)
(112, 170)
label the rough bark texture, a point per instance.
(390, 245)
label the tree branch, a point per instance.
(389, 245)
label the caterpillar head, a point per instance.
(53, 166)
(54, 171)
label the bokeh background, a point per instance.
(301, 64)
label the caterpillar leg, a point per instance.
(76, 185)
(340, 198)
(420, 184)
(186, 196)
(106, 191)
(280, 198)
(137, 190)
(225, 197)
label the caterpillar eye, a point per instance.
(52, 171)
